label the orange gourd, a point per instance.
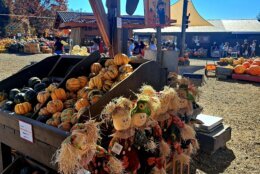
(52, 87)
(246, 64)
(54, 106)
(256, 61)
(109, 62)
(73, 84)
(239, 69)
(95, 68)
(81, 103)
(107, 85)
(83, 81)
(23, 108)
(59, 94)
(254, 70)
(43, 96)
(126, 68)
(67, 114)
(111, 73)
(95, 82)
(69, 103)
(121, 59)
(44, 112)
(83, 93)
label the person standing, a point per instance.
(131, 47)
(142, 47)
(136, 50)
(58, 46)
(237, 48)
(95, 46)
(253, 46)
(152, 46)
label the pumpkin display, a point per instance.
(95, 68)
(74, 119)
(83, 81)
(3, 96)
(256, 62)
(19, 98)
(126, 68)
(239, 69)
(71, 95)
(33, 81)
(39, 87)
(67, 114)
(53, 122)
(254, 70)
(23, 108)
(30, 96)
(111, 72)
(59, 94)
(95, 82)
(13, 92)
(83, 93)
(9, 106)
(121, 59)
(109, 62)
(57, 115)
(54, 106)
(69, 103)
(107, 85)
(37, 107)
(44, 111)
(73, 84)
(52, 87)
(43, 96)
(246, 64)
(81, 103)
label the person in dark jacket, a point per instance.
(58, 46)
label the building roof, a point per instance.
(235, 26)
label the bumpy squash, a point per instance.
(81, 103)
(83, 93)
(59, 94)
(69, 103)
(83, 81)
(254, 70)
(23, 108)
(43, 96)
(121, 59)
(95, 68)
(107, 85)
(73, 84)
(52, 87)
(54, 106)
(239, 69)
(95, 82)
(66, 115)
(109, 62)
(111, 73)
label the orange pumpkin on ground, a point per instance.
(246, 64)
(23, 108)
(83, 81)
(239, 69)
(55, 106)
(95, 82)
(95, 67)
(43, 96)
(121, 59)
(59, 94)
(73, 84)
(81, 103)
(254, 70)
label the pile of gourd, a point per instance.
(58, 106)
(248, 66)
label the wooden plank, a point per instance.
(246, 77)
(102, 20)
(38, 151)
(42, 132)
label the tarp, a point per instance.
(195, 18)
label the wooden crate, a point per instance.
(246, 77)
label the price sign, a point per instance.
(26, 132)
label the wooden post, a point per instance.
(102, 21)
(159, 45)
(183, 27)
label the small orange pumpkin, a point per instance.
(73, 84)
(52, 87)
(44, 112)
(69, 103)
(81, 103)
(126, 68)
(54, 106)
(83, 81)
(43, 96)
(111, 73)
(254, 70)
(107, 85)
(246, 64)
(121, 59)
(109, 62)
(23, 108)
(83, 93)
(59, 94)
(95, 67)
(95, 82)
(239, 69)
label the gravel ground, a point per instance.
(237, 102)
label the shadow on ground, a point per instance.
(214, 163)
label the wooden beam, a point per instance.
(102, 20)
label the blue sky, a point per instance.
(209, 9)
